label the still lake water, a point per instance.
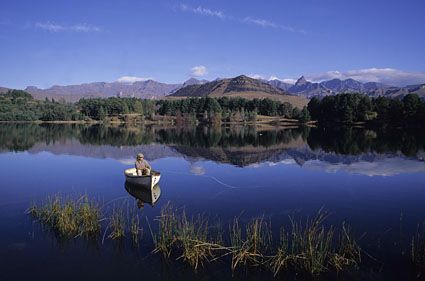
(374, 179)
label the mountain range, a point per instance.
(336, 86)
(240, 86)
(237, 86)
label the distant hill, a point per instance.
(240, 86)
(3, 90)
(337, 86)
(148, 89)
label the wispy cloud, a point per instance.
(202, 11)
(80, 27)
(246, 20)
(199, 71)
(388, 76)
(132, 79)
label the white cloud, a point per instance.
(388, 76)
(256, 76)
(289, 80)
(199, 70)
(285, 80)
(132, 79)
(202, 11)
(80, 27)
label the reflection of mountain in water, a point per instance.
(327, 149)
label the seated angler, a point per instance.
(142, 166)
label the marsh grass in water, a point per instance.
(418, 248)
(251, 249)
(69, 217)
(117, 224)
(135, 229)
(189, 237)
(305, 245)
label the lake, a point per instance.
(373, 179)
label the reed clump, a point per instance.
(252, 248)
(417, 253)
(311, 247)
(166, 236)
(117, 224)
(304, 246)
(69, 217)
(135, 229)
(188, 237)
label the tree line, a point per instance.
(351, 108)
(17, 105)
(237, 109)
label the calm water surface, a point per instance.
(374, 179)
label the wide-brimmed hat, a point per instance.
(140, 155)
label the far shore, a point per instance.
(272, 121)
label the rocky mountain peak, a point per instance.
(301, 81)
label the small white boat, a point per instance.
(148, 181)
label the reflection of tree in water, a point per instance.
(23, 136)
(341, 140)
(116, 136)
(354, 141)
(228, 137)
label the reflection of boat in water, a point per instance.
(142, 194)
(146, 181)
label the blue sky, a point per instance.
(48, 42)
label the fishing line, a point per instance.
(214, 179)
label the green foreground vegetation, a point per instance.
(306, 246)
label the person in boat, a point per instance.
(142, 166)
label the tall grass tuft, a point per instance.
(135, 230)
(418, 248)
(69, 217)
(188, 237)
(283, 258)
(251, 249)
(348, 253)
(117, 224)
(166, 236)
(311, 247)
(311, 243)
